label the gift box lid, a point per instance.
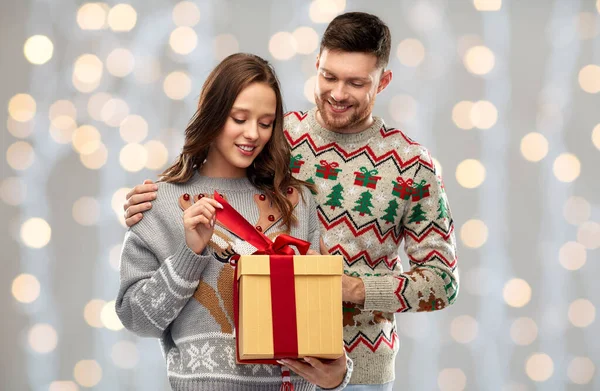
(304, 265)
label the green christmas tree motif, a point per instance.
(391, 211)
(418, 214)
(311, 180)
(335, 197)
(363, 204)
(442, 208)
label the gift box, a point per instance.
(308, 304)
(285, 305)
(402, 189)
(366, 178)
(420, 191)
(296, 163)
(327, 170)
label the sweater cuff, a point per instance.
(187, 264)
(349, 368)
(378, 291)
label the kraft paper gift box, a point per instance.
(316, 294)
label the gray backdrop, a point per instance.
(526, 207)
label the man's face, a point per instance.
(347, 83)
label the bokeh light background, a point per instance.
(505, 93)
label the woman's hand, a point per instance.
(325, 374)
(199, 222)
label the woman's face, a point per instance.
(246, 132)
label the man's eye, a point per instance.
(328, 78)
(357, 85)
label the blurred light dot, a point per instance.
(323, 11)
(566, 167)
(466, 42)
(19, 129)
(62, 107)
(122, 17)
(96, 103)
(114, 112)
(487, 5)
(309, 89)
(596, 136)
(577, 210)
(598, 5)
(35, 232)
(125, 354)
(21, 107)
(62, 129)
(147, 69)
(87, 373)
(307, 40)
(88, 69)
(470, 173)
(134, 129)
(581, 370)
(13, 191)
(92, 311)
(38, 49)
(523, 331)
(410, 52)
(86, 139)
(403, 108)
(109, 317)
(120, 62)
(42, 338)
(479, 60)
(158, 155)
(587, 25)
(572, 255)
(452, 379)
(183, 40)
(438, 166)
(464, 329)
(86, 211)
(282, 45)
(115, 255)
(461, 114)
(225, 45)
(484, 114)
(589, 78)
(186, 13)
(133, 157)
(539, 367)
(63, 386)
(582, 313)
(534, 147)
(96, 159)
(91, 16)
(177, 85)
(588, 234)
(517, 292)
(20, 155)
(26, 288)
(474, 233)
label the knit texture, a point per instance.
(186, 300)
(377, 188)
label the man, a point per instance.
(376, 187)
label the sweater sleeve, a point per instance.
(151, 295)
(428, 231)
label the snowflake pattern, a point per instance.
(201, 357)
(258, 367)
(157, 302)
(230, 357)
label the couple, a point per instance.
(350, 186)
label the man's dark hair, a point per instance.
(359, 32)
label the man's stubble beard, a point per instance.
(356, 117)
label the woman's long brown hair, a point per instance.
(270, 170)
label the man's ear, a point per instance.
(385, 79)
(317, 62)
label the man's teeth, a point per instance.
(337, 107)
(246, 148)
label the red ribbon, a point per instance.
(283, 292)
(324, 163)
(403, 183)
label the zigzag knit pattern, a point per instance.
(377, 189)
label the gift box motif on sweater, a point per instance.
(327, 170)
(296, 163)
(366, 178)
(402, 189)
